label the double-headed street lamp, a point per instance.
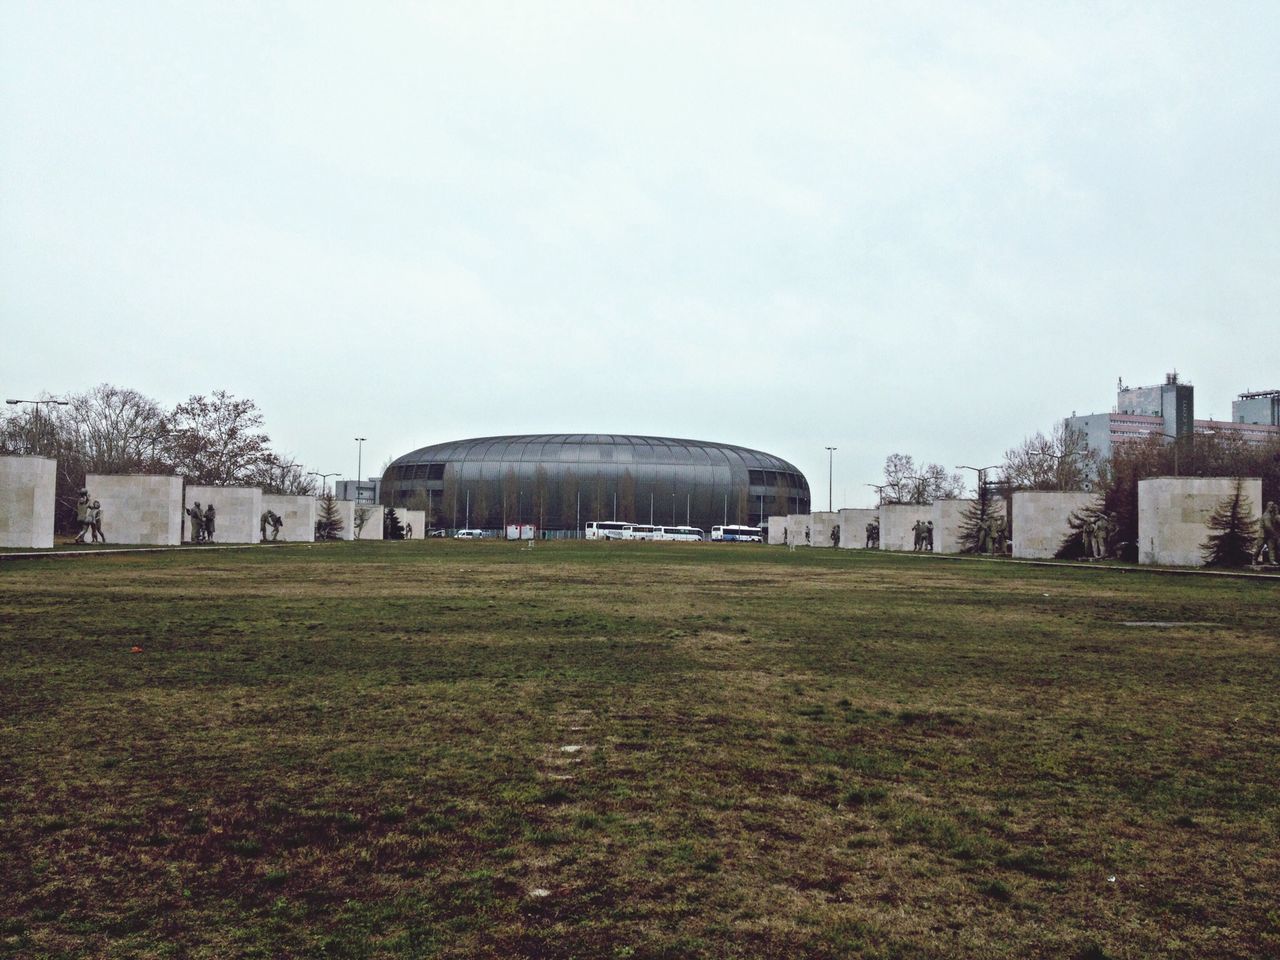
(55, 401)
(982, 473)
(880, 489)
(324, 478)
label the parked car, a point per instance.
(469, 535)
(437, 532)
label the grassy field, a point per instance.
(633, 750)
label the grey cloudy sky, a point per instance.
(931, 228)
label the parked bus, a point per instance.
(606, 530)
(737, 533)
(687, 534)
(639, 531)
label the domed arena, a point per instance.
(559, 482)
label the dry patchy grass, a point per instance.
(608, 750)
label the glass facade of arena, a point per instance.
(561, 481)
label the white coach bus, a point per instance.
(736, 533)
(607, 530)
(686, 534)
(640, 531)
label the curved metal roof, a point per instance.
(595, 448)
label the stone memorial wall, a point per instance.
(799, 529)
(896, 520)
(777, 526)
(298, 514)
(138, 508)
(371, 529)
(853, 526)
(822, 524)
(346, 513)
(948, 519)
(27, 486)
(238, 511)
(416, 517)
(1173, 515)
(1040, 520)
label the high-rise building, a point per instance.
(1168, 410)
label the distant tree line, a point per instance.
(217, 440)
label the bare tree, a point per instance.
(218, 440)
(1061, 461)
(904, 482)
(283, 475)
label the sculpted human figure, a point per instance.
(806, 534)
(835, 535)
(1103, 531)
(270, 519)
(1086, 536)
(1270, 540)
(928, 536)
(408, 530)
(984, 535)
(84, 515)
(998, 534)
(197, 522)
(95, 520)
(210, 517)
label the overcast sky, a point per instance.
(924, 228)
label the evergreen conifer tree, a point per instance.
(973, 518)
(1073, 546)
(392, 528)
(328, 523)
(1232, 544)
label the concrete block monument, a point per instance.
(237, 512)
(1040, 520)
(1173, 515)
(777, 529)
(418, 519)
(948, 519)
(799, 529)
(823, 524)
(297, 515)
(27, 487)
(897, 521)
(853, 526)
(345, 510)
(138, 508)
(366, 520)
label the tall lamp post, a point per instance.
(830, 452)
(359, 462)
(982, 473)
(1177, 442)
(324, 478)
(54, 401)
(879, 489)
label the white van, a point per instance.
(469, 535)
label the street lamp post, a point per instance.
(982, 473)
(324, 478)
(879, 489)
(1177, 442)
(55, 401)
(359, 462)
(830, 452)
